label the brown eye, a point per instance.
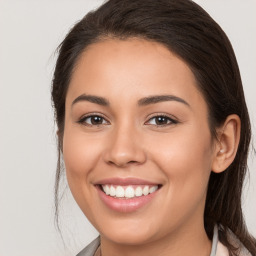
(93, 120)
(96, 120)
(161, 120)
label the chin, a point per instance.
(129, 234)
(127, 238)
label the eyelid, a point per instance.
(173, 119)
(91, 114)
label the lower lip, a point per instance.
(125, 205)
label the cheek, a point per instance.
(185, 158)
(80, 153)
(188, 149)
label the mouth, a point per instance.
(128, 191)
(127, 195)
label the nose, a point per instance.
(124, 148)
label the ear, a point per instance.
(227, 143)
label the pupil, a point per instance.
(161, 120)
(96, 120)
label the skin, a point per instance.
(180, 155)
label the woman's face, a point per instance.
(136, 126)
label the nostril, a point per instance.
(132, 162)
(121, 164)
(111, 163)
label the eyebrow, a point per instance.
(160, 98)
(91, 98)
(142, 102)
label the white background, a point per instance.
(30, 31)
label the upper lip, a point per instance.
(125, 181)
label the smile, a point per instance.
(130, 191)
(127, 195)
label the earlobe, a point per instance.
(227, 143)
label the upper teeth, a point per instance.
(128, 191)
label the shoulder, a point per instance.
(91, 248)
(223, 251)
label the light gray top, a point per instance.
(90, 249)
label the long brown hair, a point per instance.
(188, 31)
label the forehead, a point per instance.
(132, 68)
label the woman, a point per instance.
(154, 130)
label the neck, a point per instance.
(186, 241)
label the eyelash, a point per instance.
(170, 120)
(90, 116)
